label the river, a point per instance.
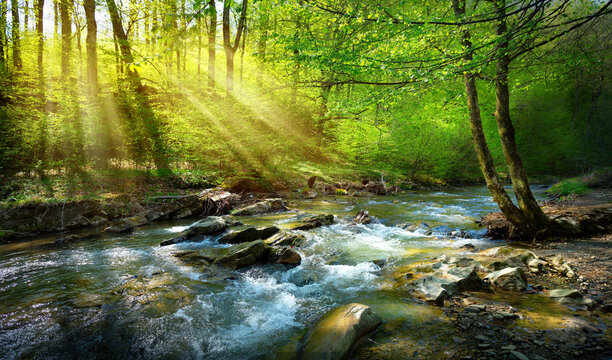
(127, 297)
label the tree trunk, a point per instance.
(55, 17)
(91, 43)
(40, 4)
(64, 8)
(3, 49)
(230, 49)
(495, 186)
(124, 45)
(15, 33)
(212, 35)
(533, 213)
(242, 58)
(199, 25)
(26, 15)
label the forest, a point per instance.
(342, 174)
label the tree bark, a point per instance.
(212, 35)
(124, 45)
(90, 44)
(485, 160)
(3, 49)
(534, 215)
(40, 4)
(64, 8)
(26, 15)
(15, 34)
(230, 50)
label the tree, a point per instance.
(3, 50)
(91, 44)
(15, 31)
(40, 4)
(65, 7)
(123, 43)
(230, 50)
(212, 36)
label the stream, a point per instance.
(125, 296)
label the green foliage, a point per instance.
(567, 187)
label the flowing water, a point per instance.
(124, 296)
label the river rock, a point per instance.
(262, 207)
(237, 256)
(570, 297)
(445, 283)
(314, 222)
(363, 217)
(209, 226)
(508, 279)
(335, 334)
(284, 255)
(248, 234)
(286, 239)
(128, 223)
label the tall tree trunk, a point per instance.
(199, 25)
(526, 201)
(40, 4)
(230, 50)
(16, 43)
(124, 45)
(91, 43)
(212, 36)
(64, 8)
(242, 58)
(55, 17)
(495, 186)
(26, 15)
(3, 49)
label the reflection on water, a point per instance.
(128, 297)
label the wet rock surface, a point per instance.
(313, 222)
(248, 234)
(209, 226)
(335, 334)
(262, 207)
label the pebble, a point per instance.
(519, 355)
(481, 338)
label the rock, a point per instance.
(606, 308)
(445, 283)
(209, 226)
(439, 230)
(314, 222)
(420, 228)
(335, 334)
(237, 256)
(126, 224)
(468, 247)
(518, 355)
(559, 264)
(248, 234)
(570, 297)
(363, 217)
(311, 181)
(262, 207)
(284, 255)
(508, 279)
(285, 239)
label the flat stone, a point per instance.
(262, 207)
(508, 279)
(570, 297)
(247, 235)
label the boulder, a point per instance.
(248, 234)
(262, 207)
(128, 223)
(285, 239)
(237, 256)
(335, 334)
(420, 228)
(314, 222)
(570, 297)
(440, 230)
(508, 279)
(284, 255)
(211, 225)
(443, 284)
(363, 217)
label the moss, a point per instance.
(574, 186)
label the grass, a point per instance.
(600, 178)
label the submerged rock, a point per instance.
(445, 283)
(335, 334)
(237, 256)
(570, 297)
(284, 255)
(286, 239)
(363, 217)
(508, 279)
(262, 207)
(314, 222)
(249, 234)
(420, 228)
(209, 226)
(127, 224)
